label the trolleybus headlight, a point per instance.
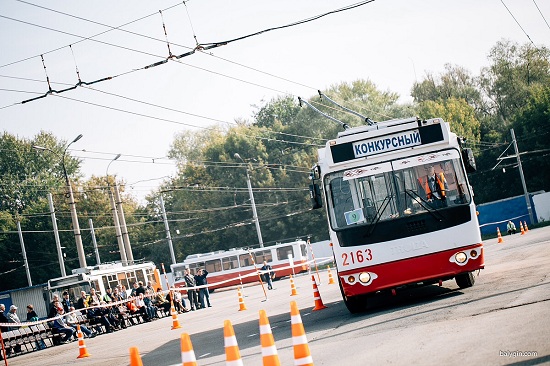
(461, 257)
(364, 277)
(351, 279)
(473, 253)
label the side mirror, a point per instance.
(316, 172)
(315, 196)
(469, 160)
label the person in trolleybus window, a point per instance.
(435, 187)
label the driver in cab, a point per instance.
(435, 187)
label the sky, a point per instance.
(139, 111)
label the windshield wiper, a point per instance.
(378, 215)
(425, 204)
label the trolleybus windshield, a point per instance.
(399, 188)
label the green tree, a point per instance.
(457, 112)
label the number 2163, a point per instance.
(356, 257)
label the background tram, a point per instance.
(103, 276)
(234, 266)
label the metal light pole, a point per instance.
(72, 205)
(253, 203)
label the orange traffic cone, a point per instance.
(521, 227)
(330, 278)
(500, 240)
(187, 354)
(317, 297)
(525, 225)
(242, 306)
(302, 356)
(175, 321)
(81, 346)
(135, 358)
(293, 287)
(232, 353)
(270, 356)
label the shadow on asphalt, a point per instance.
(210, 343)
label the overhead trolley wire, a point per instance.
(541, 14)
(523, 30)
(204, 46)
(303, 21)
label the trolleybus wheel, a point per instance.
(465, 280)
(355, 304)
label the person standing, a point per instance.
(200, 280)
(191, 292)
(267, 272)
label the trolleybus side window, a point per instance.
(150, 274)
(121, 276)
(140, 276)
(230, 263)
(193, 267)
(213, 265)
(245, 260)
(284, 252)
(131, 279)
(263, 255)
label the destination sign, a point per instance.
(386, 143)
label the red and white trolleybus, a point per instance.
(399, 206)
(235, 266)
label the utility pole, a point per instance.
(56, 236)
(72, 204)
(94, 241)
(117, 229)
(116, 217)
(123, 228)
(252, 202)
(525, 191)
(26, 263)
(167, 228)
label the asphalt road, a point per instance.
(506, 312)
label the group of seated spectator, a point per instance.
(97, 313)
(111, 310)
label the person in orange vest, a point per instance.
(435, 187)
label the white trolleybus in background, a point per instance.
(235, 266)
(389, 224)
(103, 276)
